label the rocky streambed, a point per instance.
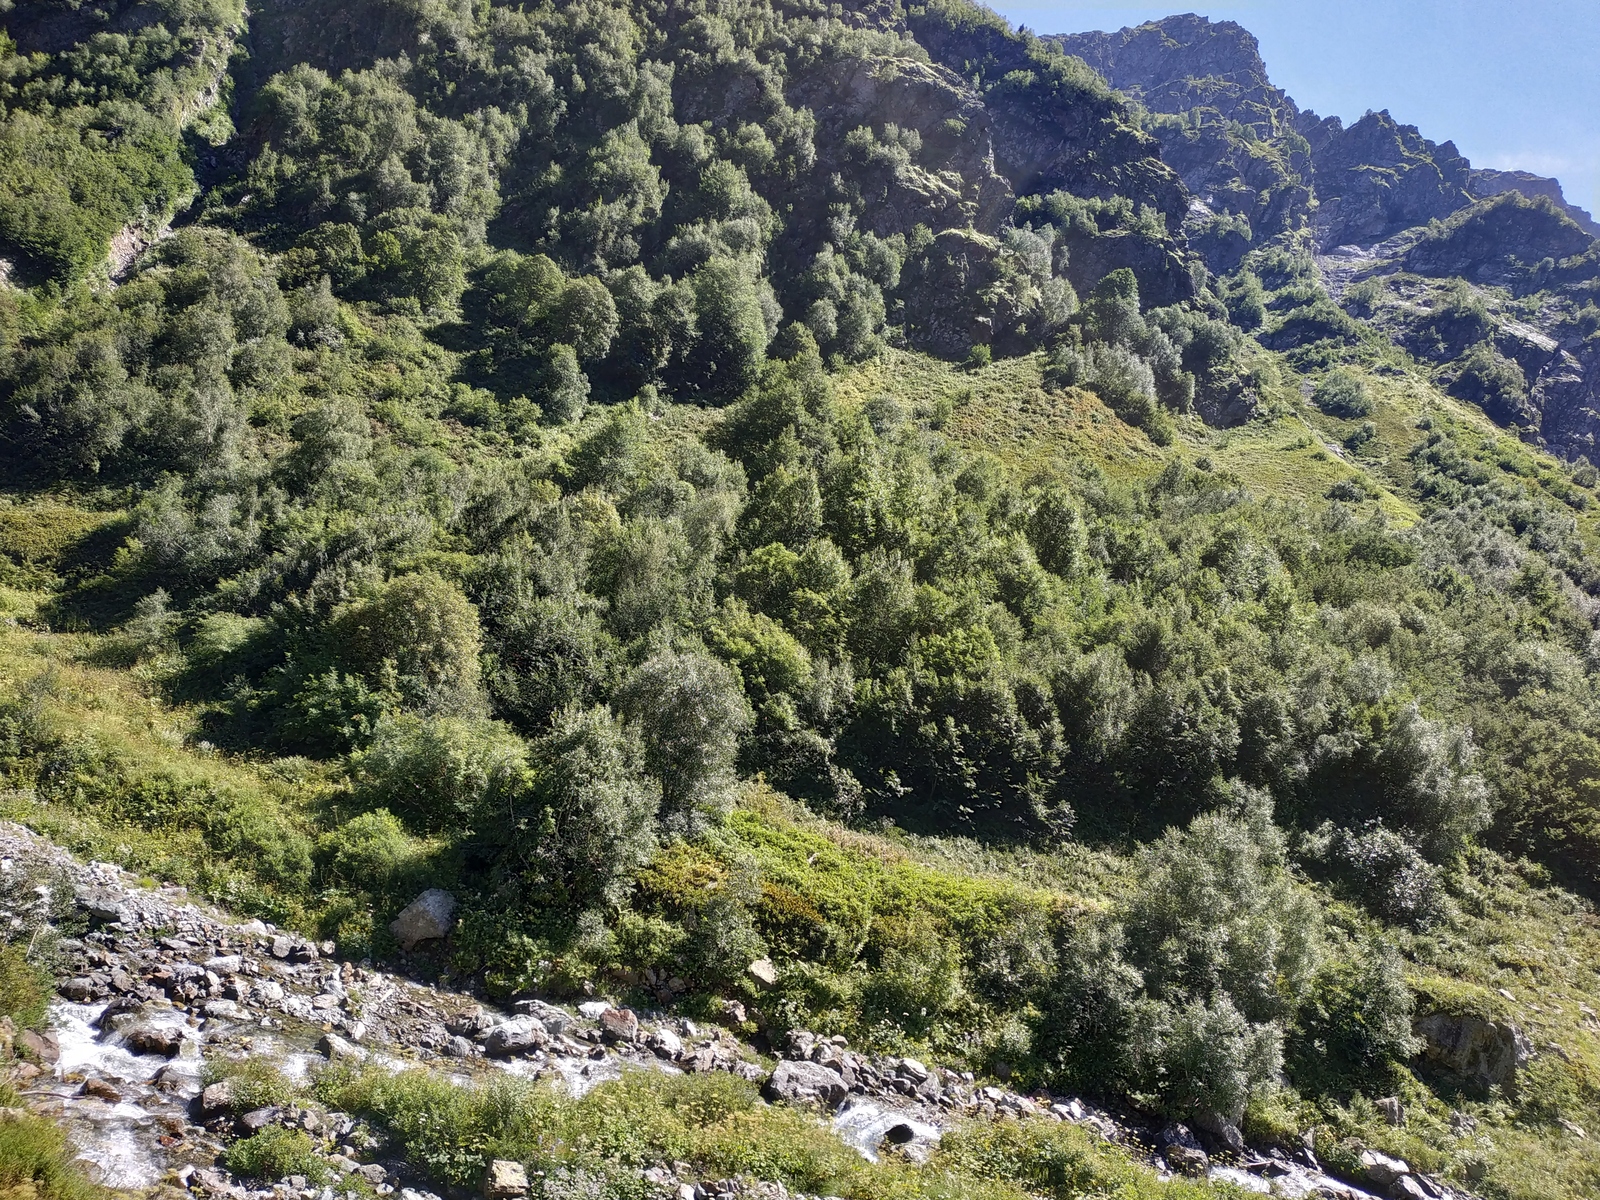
(155, 990)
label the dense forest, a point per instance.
(827, 484)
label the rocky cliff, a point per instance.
(1374, 201)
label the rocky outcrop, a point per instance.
(1481, 1052)
(1211, 73)
(1485, 183)
(1378, 177)
(1502, 240)
(1187, 62)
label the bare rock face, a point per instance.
(805, 1083)
(430, 916)
(1482, 1052)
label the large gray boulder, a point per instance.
(521, 1036)
(1481, 1052)
(805, 1083)
(431, 915)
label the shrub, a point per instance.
(1495, 384)
(1386, 873)
(422, 629)
(1208, 1059)
(690, 711)
(1356, 1022)
(275, 1153)
(443, 773)
(592, 823)
(25, 988)
(368, 852)
(38, 1163)
(1342, 394)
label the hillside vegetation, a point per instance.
(715, 482)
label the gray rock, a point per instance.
(522, 1036)
(1482, 1052)
(1224, 1133)
(153, 1030)
(79, 991)
(258, 1119)
(763, 972)
(1187, 1160)
(1393, 1111)
(620, 1025)
(216, 1099)
(334, 1048)
(665, 1043)
(1382, 1170)
(805, 1083)
(428, 917)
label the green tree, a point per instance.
(690, 712)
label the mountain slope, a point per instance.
(770, 507)
(1261, 169)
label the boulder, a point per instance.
(216, 1099)
(505, 1180)
(154, 1030)
(899, 1135)
(763, 972)
(522, 1036)
(430, 916)
(805, 1083)
(620, 1025)
(1224, 1134)
(79, 991)
(258, 1119)
(41, 1047)
(665, 1043)
(1187, 1160)
(1382, 1170)
(1393, 1110)
(334, 1048)
(1481, 1052)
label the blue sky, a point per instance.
(1515, 83)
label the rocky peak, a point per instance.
(1378, 177)
(1185, 62)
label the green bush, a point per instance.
(25, 988)
(444, 773)
(37, 1161)
(275, 1153)
(1342, 394)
